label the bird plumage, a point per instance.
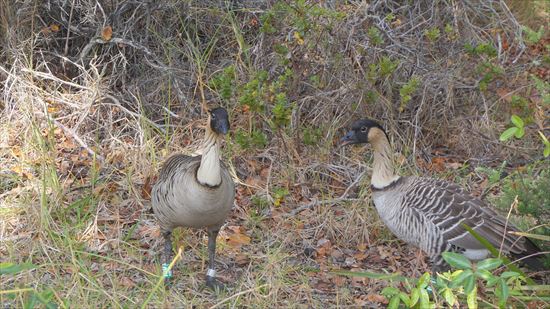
(196, 192)
(430, 213)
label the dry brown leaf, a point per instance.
(375, 298)
(242, 259)
(107, 33)
(237, 240)
(147, 187)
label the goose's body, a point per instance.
(180, 200)
(196, 192)
(429, 213)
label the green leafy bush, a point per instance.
(533, 201)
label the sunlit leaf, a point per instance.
(469, 284)
(507, 134)
(520, 132)
(415, 296)
(472, 298)
(489, 264)
(457, 260)
(394, 302)
(517, 121)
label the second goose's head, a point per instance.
(219, 120)
(363, 131)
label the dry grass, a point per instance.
(86, 121)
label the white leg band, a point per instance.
(211, 272)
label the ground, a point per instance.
(95, 96)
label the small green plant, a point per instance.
(532, 36)
(481, 49)
(527, 192)
(282, 112)
(464, 280)
(34, 297)
(517, 130)
(493, 175)
(224, 83)
(407, 90)
(255, 139)
(489, 72)
(375, 36)
(418, 296)
(387, 66)
(311, 135)
(546, 143)
(279, 195)
(543, 88)
(432, 34)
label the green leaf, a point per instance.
(394, 302)
(457, 260)
(472, 299)
(507, 134)
(509, 274)
(484, 274)
(424, 280)
(457, 281)
(489, 264)
(405, 299)
(469, 284)
(520, 132)
(504, 292)
(449, 296)
(546, 151)
(389, 291)
(424, 299)
(415, 296)
(517, 121)
(11, 268)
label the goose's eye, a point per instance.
(363, 129)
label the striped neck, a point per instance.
(383, 173)
(209, 172)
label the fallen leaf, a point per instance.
(107, 33)
(375, 298)
(242, 259)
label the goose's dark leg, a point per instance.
(211, 281)
(167, 256)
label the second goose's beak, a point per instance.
(349, 139)
(222, 126)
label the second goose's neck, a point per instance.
(209, 172)
(383, 170)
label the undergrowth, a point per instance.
(96, 94)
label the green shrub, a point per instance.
(533, 201)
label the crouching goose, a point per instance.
(196, 192)
(429, 213)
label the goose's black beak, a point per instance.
(222, 126)
(349, 139)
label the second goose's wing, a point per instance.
(449, 206)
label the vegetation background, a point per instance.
(96, 94)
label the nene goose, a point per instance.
(429, 213)
(196, 192)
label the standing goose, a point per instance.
(196, 192)
(429, 213)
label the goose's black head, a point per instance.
(219, 120)
(360, 132)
